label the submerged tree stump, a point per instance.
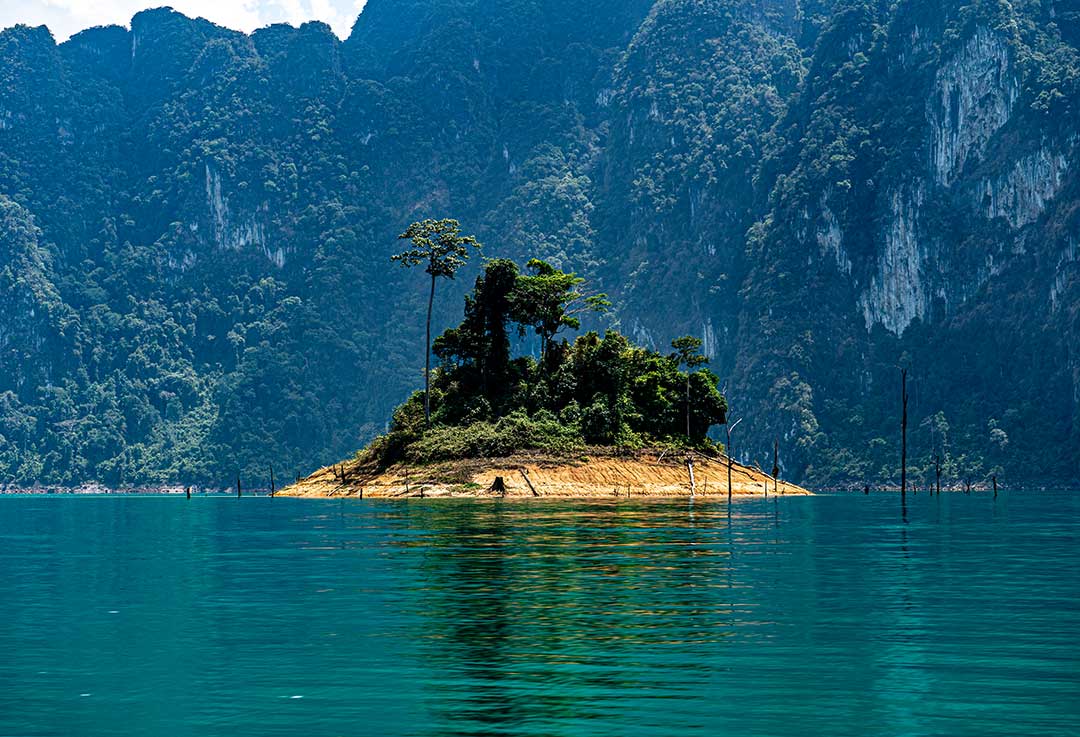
(499, 486)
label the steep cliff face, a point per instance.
(821, 190)
(691, 106)
(955, 215)
(973, 95)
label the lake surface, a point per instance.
(833, 615)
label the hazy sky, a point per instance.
(66, 17)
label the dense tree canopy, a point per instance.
(594, 391)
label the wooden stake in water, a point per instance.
(727, 449)
(187, 490)
(272, 487)
(903, 434)
(995, 486)
(775, 464)
(237, 486)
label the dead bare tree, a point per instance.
(903, 434)
(776, 464)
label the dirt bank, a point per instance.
(597, 474)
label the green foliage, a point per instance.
(197, 225)
(437, 245)
(548, 301)
(513, 433)
(596, 391)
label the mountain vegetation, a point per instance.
(196, 228)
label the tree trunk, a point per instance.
(525, 475)
(427, 357)
(688, 404)
(776, 464)
(729, 472)
(903, 436)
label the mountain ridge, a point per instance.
(822, 191)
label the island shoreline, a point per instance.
(597, 474)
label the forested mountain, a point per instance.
(196, 224)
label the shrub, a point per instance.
(511, 434)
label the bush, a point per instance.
(511, 434)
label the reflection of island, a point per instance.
(528, 616)
(596, 417)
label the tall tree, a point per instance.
(688, 354)
(549, 300)
(439, 245)
(903, 433)
(478, 350)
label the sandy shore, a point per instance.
(527, 476)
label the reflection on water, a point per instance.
(828, 615)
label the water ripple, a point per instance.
(839, 615)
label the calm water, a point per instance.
(828, 615)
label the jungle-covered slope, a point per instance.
(196, 224)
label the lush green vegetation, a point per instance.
(196, 228)
(485, 402)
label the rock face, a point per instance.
(1021, 194)
(957, 211)
(822, 191)
(973, 95)
(897, 295)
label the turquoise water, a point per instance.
(834, 615)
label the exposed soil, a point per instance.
(600, 473)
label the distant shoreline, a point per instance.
(98, 490)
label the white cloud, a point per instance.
(67, 17)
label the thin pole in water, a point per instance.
(995, 486)
(730, 429)
(237, 486)
(775, 464)
(187, 490)
(272, 486)
(903, 435)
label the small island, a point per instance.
(596, 417)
